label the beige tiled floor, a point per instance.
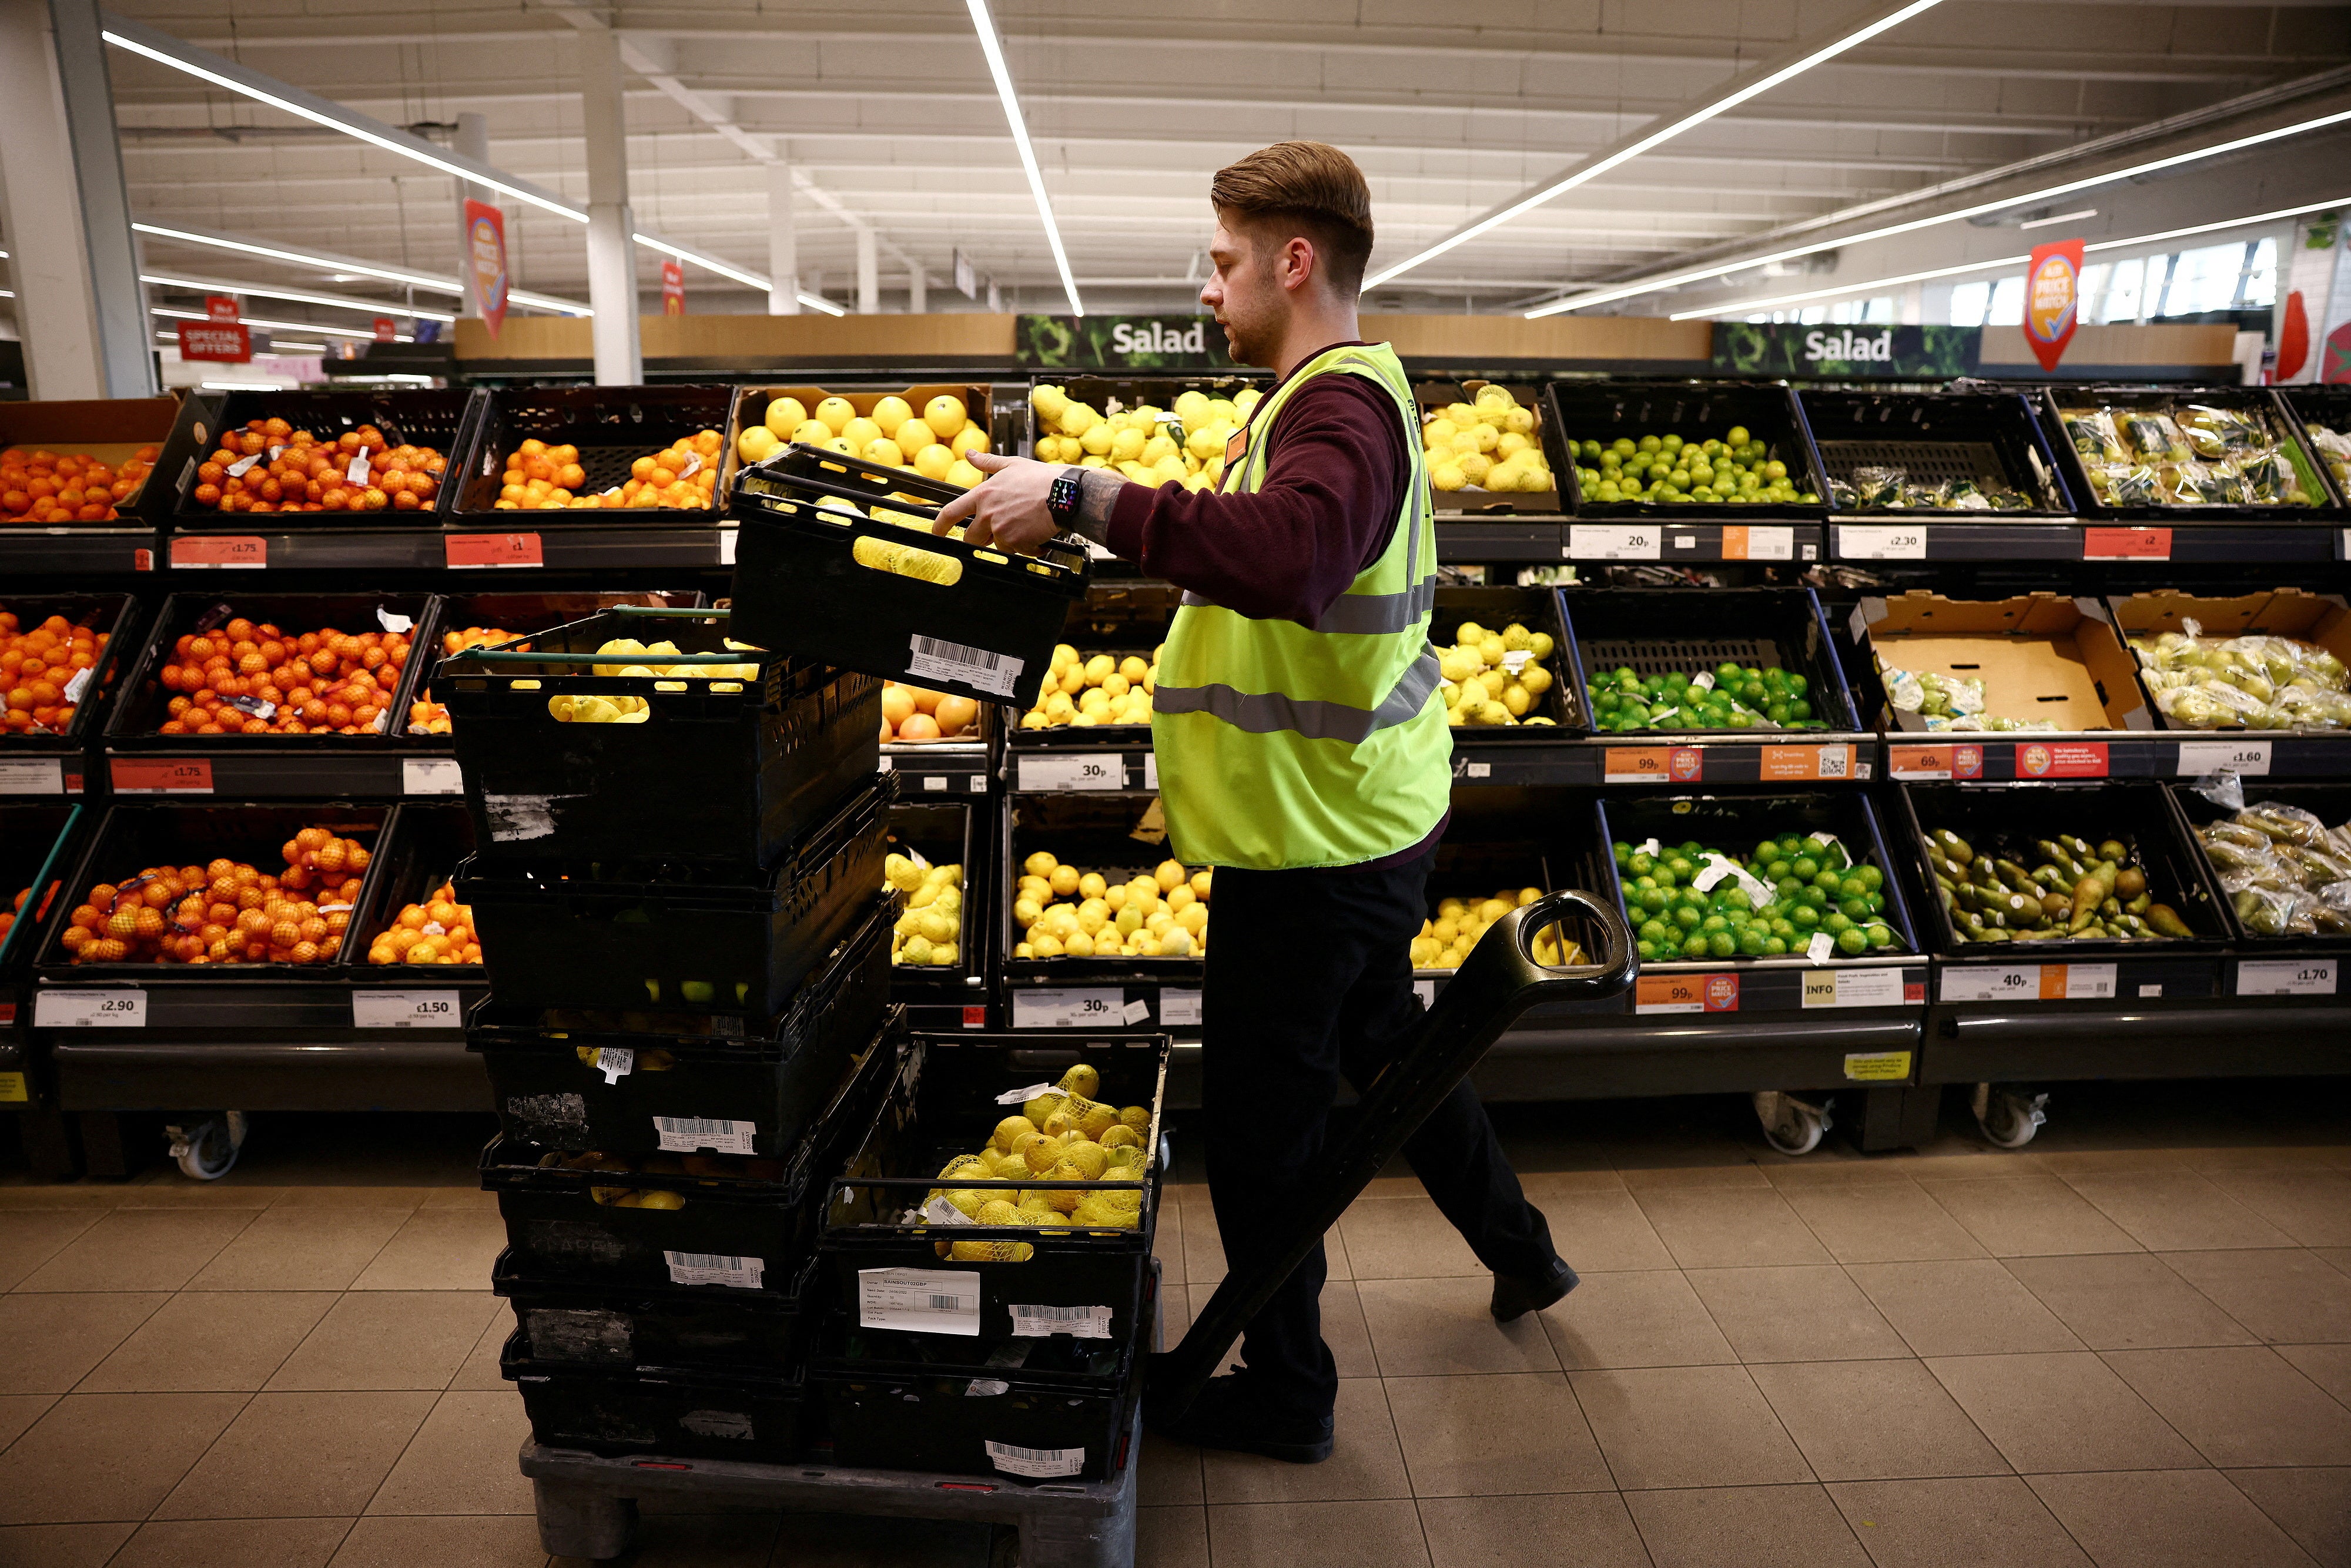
(2125, 1351)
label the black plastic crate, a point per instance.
(954, 832)
(1538, 610)
(2068, 435)
(891, 1402)
(520, 615)
(1116, 618)
(130, 838)
(113, 617)
(438, 418)
(1936, 438)
(945, 1104)
(38, 844)
(765, 757)
(1735, 824)
(2317, 408)
(142, 702)
(1635, 628)
(1993, 817)
(675, 935)
(610, 426)
(423, 845)
(2251, 924)
(802, 584)
(741, 1229)
(675, 1412)
(598, 1085)
(1584, 410)
(1094, 832)
(574, 1323)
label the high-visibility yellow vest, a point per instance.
(1282, 744)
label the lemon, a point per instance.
(965, 475)
(890, 413)
(1098, 440)
(1048, 401)
(814, 432)
(1077, 419)
(946, 415)
(1009, 1129)
(1491, 396)
(1192, 406)
(967, 440)
(1475, 467)
(1447, 477)
(1520, 421)
(912, 435)
(861, 430)
(1437, 433)
(885, 451)
(836, 413)
(1126, 447)
(784, 416)
(757, 444)
(935, 461)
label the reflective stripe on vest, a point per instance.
(1268, 713)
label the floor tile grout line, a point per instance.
(2262, 1509)
(44, 1260)
(180, 1480)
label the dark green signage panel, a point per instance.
(1119, 342)
(1823, 352)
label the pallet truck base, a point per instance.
(588, 1504)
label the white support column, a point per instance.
(869, 274)
(611, 254)
(918, 295)
(81, 307)
(783, 245)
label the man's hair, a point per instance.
(1307, 188)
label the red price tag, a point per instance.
(2125, 544)
(494, 551)
(163, 775)
(248, 552)
(1686, 994)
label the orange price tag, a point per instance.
(249, 552)
(1686, 994)
(1917, 761)
(1637, 764)
(162, 775)
(2053, 982)
(494, 551)
(2125, 544)
(1781, 762)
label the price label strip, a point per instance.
(124, 1009)
(1073, 770)
(1857, 541)
(431, 775)
(919, 1301)
(1854, 989)
(1038, 1464)
(1179, 1008)
(1089, 1006)
(686, 1134)
(2030, 983)
(32, 776)
(229, 552)
(2287, 976)
(1604, 541)
(2247, 758)
(492, 551)
(407, 1009)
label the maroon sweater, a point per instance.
(1335, 479)
(1334, 482)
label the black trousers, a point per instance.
(1309, 976)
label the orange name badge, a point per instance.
(1236, 446)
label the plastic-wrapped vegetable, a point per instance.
(2260, 682)
(2154, 437)
(2217, 431)
(1949, 702)
(2335, 451)
(2269, 479)
(1879, 486)
(2286, 872)
(2126, 484)
(2092, 432)
(1843, 496)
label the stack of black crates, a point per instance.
(689, 1027)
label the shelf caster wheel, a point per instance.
(206, 1150)
(1790, 1126)
(2007, 1116)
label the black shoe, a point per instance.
(1515, 1298)
(1230, 1415)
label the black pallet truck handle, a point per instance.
(1498, 982)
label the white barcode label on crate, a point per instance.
(1039, 1463)
(714, 1269)
(615, 1062)
(1179, 1008)
(687, 1134)
(939, 1211)
(920, 1301)
(941, 660)
(1030, 1321)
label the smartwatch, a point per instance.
(1062, 500)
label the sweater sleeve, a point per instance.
(1333, 486)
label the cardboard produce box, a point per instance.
(2043, 658)
(1433, 397)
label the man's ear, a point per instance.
(1298, 261)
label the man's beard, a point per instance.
(1241, 344)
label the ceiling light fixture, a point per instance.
(748, 279)
(343, 269)
(994, 50)
(2031, 198)
(819, 302)
(273, 326)
(1743, 308)
(1650, 141)
(2058, 218)
(338, 302)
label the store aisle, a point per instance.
(2130, 1345)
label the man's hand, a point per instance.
(1007, 512)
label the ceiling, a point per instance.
(889, 110)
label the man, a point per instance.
(1303, 752)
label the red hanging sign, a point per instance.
(2294, 339)
(383, 328)
(219, 337)
(485, 253)
(2052, 300)
(220, 308)
(673, 288)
